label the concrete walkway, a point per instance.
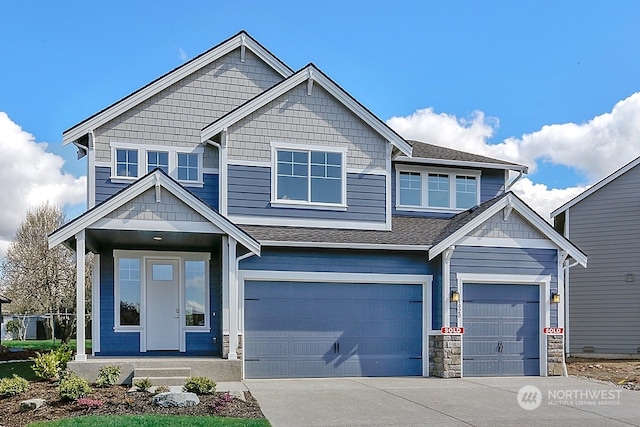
(451, 402)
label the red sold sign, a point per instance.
(553, 331)
(452, 330)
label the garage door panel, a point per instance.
(378, 329)
(501, 330)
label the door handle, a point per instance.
(336, 347)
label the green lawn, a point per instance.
(40, 345)
(153, 420)
(21, 369)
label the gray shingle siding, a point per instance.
(603, 307)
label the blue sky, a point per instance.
(548, 84)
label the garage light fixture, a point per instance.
(455, 296)
(555, 298)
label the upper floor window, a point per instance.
(158, 159)
(437, 189)
(131, 161)
(309, 176)
(126, 163)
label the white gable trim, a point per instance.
(238, 41)
(595, 187)
(465, 163)
(510, 200)
(310, 72)
(95, 216)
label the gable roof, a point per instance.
(597, 186)
(435, 154)
(241, 40)
(154, 178)
(465, 222)
(312, 75)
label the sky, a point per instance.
(551, 85)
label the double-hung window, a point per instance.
(437, 189)
(312, 176)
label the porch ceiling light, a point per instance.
(455, 296)
(555, 298)
(158, 238)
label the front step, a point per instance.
(162, 376)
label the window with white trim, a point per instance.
(129, 288)
(131, 161)
(309, 176)
(445, 190)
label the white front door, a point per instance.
(163, 304)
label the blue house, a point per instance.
(243, 211)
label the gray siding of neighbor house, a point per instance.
(250, 194)
(175, 116)
(604, 305)
(515, 261)
(316, 119)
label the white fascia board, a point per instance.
(331, 245)
(595, 187)
(534, 219)
(172, 77)
(94, 216)
(462, 163)
(292, 82)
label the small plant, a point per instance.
(200, 385)
(143, 385)
(46, 366)
(63, 355)
(85, 402)
(221, 402)
(72, 387)
(108, 376)
(14, 327)
(13, 386)
(162, 389)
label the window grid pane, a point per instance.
(195, 293)
(187, 167)
(129, 278)
(326, 177)
(158, 159)
(292, 175)
(410, 188)
(126, 163)
(466, 192)
(439, 190)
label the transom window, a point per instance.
(438, 189)
(309, 176)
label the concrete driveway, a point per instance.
(445, 402)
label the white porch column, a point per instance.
(80, 312)
(446, 286)
(233, 298)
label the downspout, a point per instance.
(516, 179)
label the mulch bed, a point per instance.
(116, 401)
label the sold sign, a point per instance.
(553, 331)
(452, 330)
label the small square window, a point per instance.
(158, 159)
(187, 167)
(127, 163)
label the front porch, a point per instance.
(217, 369)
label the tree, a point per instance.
(39, 279)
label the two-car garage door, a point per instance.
(317, 329)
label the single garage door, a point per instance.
(332, 329)
(501, 330)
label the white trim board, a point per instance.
(304, 222)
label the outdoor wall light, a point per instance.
(158, 238)
(555, 298)
(455, 296)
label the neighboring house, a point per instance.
(241, 210)
(3, 300)
(603, 300)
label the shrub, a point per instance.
(143, 385)
(200, 385)
(15, 327)
(108, 376)
(221, 402)
(63, 355)
(72, 387)
(90, 403)
(162, 389)
(46, 366)
(13, 386)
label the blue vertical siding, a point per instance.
(209, 193)
(249, 193)
(515, 261)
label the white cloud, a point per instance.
(182, 54)
(594, 149)
(29, 176)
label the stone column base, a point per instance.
(555, 351)
(445, 359)
(225, 346)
